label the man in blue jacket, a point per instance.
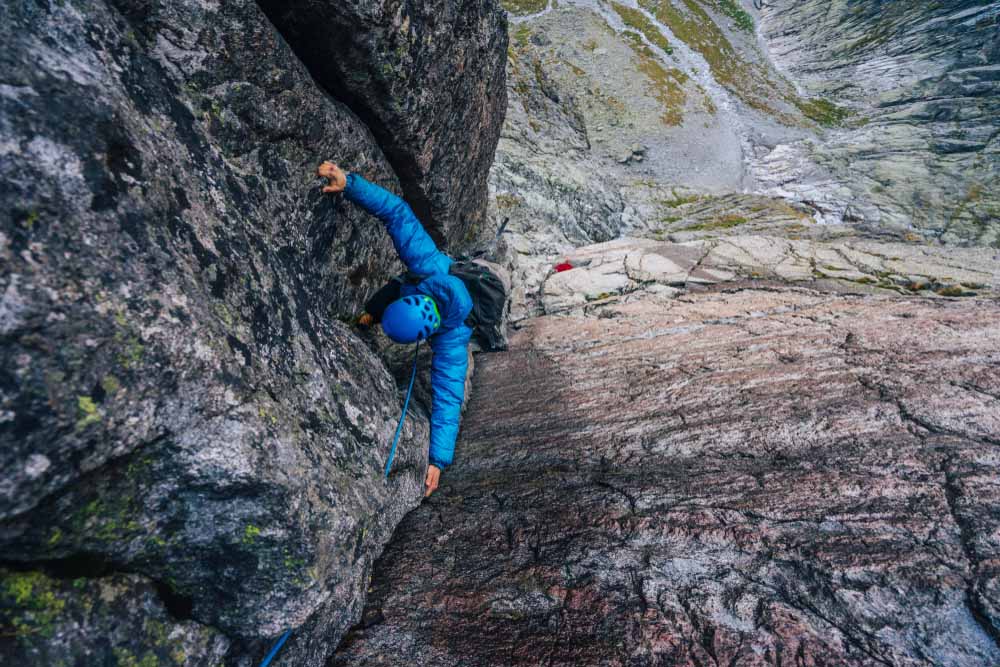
(434, 309)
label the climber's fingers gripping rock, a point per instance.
(433, 476)
(336, 176)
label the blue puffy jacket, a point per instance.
(450, 343)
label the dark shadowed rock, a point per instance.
(428, 79)
(178, 399)
(742, 476)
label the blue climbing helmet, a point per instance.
(411, 318)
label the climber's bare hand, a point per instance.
(336, 176)
(365, 319)
(433, 476)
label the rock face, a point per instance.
(631, 267)
(858, 114)
(180, 398)
(749, 474)
(125, 613)
(428, 79)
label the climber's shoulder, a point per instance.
(451, 296)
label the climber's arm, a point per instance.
(414, 245)
(448, 369)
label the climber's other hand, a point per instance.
(433, 476)
(365, 319)
(336, 176)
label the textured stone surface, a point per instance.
(856, 113)
(734, 476)
(177, 397)
(547, 182)
(428, 79)
(58, 621)
(628, 266)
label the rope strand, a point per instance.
(406, 404)
(277, 647)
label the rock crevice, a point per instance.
(428, 80)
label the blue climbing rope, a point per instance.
(406, 403)
(277, 647)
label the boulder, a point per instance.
(180, 397)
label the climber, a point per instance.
(428, 303)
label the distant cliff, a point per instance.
(923, 82)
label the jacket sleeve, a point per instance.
(414, 246)
(448, 370)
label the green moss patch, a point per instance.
(725, 222)
(524, 7)
(29, 604)
(87, 412)
(110, 385)
(126, 658)
(953, 290)
(676, 200)
(734, 11)
(822, 111)
(506, 201)
(667, 86)
(634, 18)
(521, 33)
(250, 534)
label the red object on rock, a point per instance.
(565, 266)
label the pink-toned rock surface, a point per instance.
(746, 475)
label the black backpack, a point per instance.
(488, 318)
(489, 304)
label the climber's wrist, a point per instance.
(349, 181)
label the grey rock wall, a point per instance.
(180, 397)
